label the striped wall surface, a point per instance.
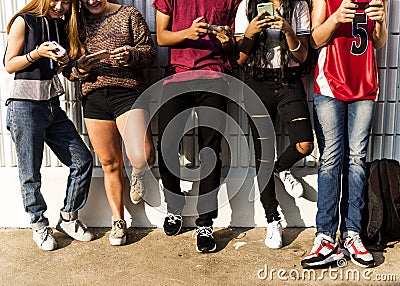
(384, 143)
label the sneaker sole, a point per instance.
(54, 247)
(117, 241)
(328, 260)
(207, 251)
(273, 246)
(136, 202)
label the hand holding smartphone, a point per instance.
(57, 48)
(100, 55)
(265, 9)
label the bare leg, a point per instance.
(106, 142)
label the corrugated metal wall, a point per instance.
(385, 137)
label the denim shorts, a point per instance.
(110, 102)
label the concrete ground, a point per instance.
(151, 258)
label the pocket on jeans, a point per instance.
(9, 115)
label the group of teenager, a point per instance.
(200, 34)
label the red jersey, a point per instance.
(346, 67)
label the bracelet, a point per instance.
(37, 51)
(32, 59)
(297, 48)
(29, 61)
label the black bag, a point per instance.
(382, 208)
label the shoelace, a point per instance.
(46, 232)
(173, 218)
(136, 179)
(120, 224)
(355, 240)
(290, 179)
(79, 224)
(203, 231)
(273, 227)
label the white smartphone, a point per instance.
(100, 55)
(58, 49)
(266, 9)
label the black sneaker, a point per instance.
(205, 239)
(172, 224)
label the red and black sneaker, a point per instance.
(323, 253)
(353, 247)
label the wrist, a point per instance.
(37, 52)
(296, 48)
(80, 70)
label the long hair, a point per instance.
(259, 50)
(73, 31)
(40, 8)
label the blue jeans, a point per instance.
(33, 123)
(342, 130)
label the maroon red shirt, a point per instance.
(205, 53)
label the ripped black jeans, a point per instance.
(290, 102)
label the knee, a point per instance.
(111, 165)
(305, 148)
(143, 160)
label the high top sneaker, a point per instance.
(273, 238)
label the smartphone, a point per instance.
(100, 55)
(266, 9)
(58, 49)
(361, 5)
(216, 27)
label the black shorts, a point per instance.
(110, 102)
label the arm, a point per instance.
(298, 45)
(323, 28)
(245, 43)
(142, 52)
(377, 12)
(14, 61)
(165, 37)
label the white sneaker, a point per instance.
(137, 188)
(353, 247)
(118, 233)
(75, 229)
(44, 238)
(274, 235)
(292, 185)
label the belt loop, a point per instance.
(8, 101)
